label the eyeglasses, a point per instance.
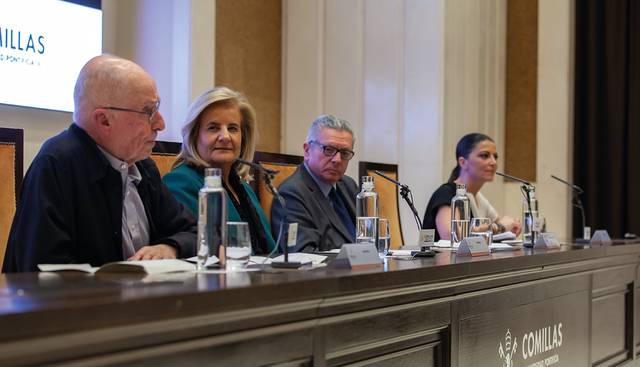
(330, 151)
(150, 112)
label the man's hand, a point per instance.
(155, 252)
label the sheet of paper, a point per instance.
(504, 236)
(86, 268)
(303, 258)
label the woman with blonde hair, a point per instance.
(220, 127)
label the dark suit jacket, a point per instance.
(70, 208)
(319, 226)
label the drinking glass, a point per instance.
(366, 229)
(481, 227)
(238, 245)
(384, 237)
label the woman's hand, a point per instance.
(510, 224)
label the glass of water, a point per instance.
(238, 245)
(366, 229)
(384, 237)
(481, 227)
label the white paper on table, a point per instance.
(137, 266)
(303, 258)
(85, 268)
(259, 260)
(212, 260)
(498, 246)
(508, 235)
(401, 252)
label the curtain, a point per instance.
(607, 115)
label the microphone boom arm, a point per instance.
(406, 194)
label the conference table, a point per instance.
(572, 306)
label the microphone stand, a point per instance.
(576, 191)
(527, 188)
(267, 176)
(406, 194)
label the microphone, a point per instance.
(257, 166)
(267, 175)
(575, 187)
(528, 191)
(406, 194)
(515, 179)
(577, 203)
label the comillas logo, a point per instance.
(18, 40)
(506, 353)
(532, 344)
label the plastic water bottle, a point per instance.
(212, 218)
(529, 219)
(367, 213)
(460, 215)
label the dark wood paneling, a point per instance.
(551, 329)
(249, 59)
(402, 326)
(422, 356)
(521, 88)
(608, 331)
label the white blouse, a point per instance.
(480, 207)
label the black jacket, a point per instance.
(70, 208)
(319, 226)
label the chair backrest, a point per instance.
(11, 171)
(285, 164)
(387, 197)
(164, 154)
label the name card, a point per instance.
(357, 256)
(546, 240)
(292, 234)
(426, 237)
(600, 238)
(473, 246)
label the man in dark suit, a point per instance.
(91, 195)
(319, 197)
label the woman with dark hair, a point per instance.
(477, 162)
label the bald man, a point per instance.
(91, 194)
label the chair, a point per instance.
(387, 197)
(285, 164)
(11, 170)
(164, 154)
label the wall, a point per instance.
(414, 76)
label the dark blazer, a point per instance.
(70, 208)
(319, 226)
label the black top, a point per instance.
(442, 196)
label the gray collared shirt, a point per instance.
(135, 225)
(324, 187)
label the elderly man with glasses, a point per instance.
(91, 194)
(319, 197)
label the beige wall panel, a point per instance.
(521, 89)
(248, 59)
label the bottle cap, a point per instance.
(461, 189)
(212, 177)
(367, 183)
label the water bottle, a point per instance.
(529, 219)
(212, 218)
(367, 213)
(460, 215)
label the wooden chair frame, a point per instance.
(363, 167)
